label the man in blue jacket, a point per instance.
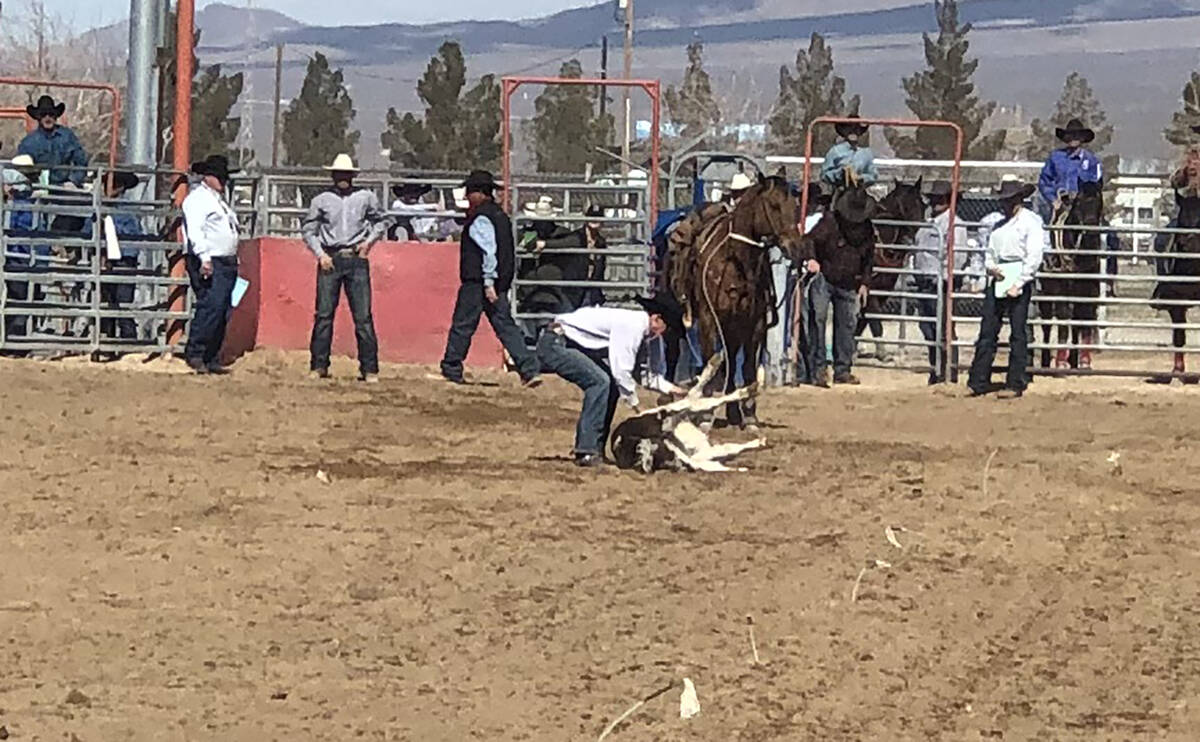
(54, 147)
(1067, 167)
(848, 155)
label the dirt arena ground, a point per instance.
(173, 567)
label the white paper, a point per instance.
(112, 247)
(1012, 274)
(240, 287)
(689, 703)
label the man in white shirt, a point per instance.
(596, 349)
(929, 260)
(1017, 242)
(212, 235)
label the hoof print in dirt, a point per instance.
(279, 695)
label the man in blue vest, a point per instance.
(487, 266)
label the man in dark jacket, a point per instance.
(487, 265)
(843, 243)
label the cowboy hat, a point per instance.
(122, 179)
(1074, 130)
(740, 182)
(855, 205)
(411, 190)
(343, 163)
(215, 165)
(23, 161)
(665, 306)
(46, 107)
(1014, 190)
(543, 208)
(939, 189)
(480, 181)
(846, 128)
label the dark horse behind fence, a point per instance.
(1077, 297)
(1176, 297)
(903, 204)
(723, 278)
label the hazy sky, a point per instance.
(87, 13)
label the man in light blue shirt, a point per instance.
(848, 158)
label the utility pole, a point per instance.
(628, 76)
(278, 99)
(603, 74)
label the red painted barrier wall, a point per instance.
(413, 287)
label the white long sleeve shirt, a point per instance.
(930, 259)
(210, 225)
(622, 332)
(1021, 238)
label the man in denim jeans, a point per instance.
(597, 349)
(340, 228)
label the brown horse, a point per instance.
(724, 280)
(1079, 294)
(903, 203)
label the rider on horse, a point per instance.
(846, 161)
(1066, 168)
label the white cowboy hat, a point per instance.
(460, 198)
(543, 208)
(343, 163)
(23, 161)
(740, 182)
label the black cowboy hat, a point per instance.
(413, 190)
(939, 189)
(214, 165)
(1075, 130)
(480, 181)
(846, 128)
(855, 205)
(1014, 190)
(122, 179)
(664, 305)
(46, 107)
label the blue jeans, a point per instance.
(821, 296)
(994, 310)
(600, 392)
(469, 306)
(354, 274)
(206, 334)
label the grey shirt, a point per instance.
(335, 221)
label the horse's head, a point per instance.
(854, 206)
(1189, 210)
(904, 202)
(1088, 206)
(768, 213)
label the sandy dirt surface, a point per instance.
(173, 567)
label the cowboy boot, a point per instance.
(1180, 364)
(1062, 358)
(1087, 339)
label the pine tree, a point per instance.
(457, 129)
(1077, 101)
(214, 127)
(692, 106)
(1180, 131)
(316, 125)
(566, 128)
(945, 92)
(811, 93)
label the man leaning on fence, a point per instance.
(212, 233)
(487, 266)
(929, 264)
(341, 227)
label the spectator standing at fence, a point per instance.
(844, 245)
(54, 147)
(929, 264)
(1066, 168)
(601, 350)
(1016, 242)
(410, 221)
(128, 228)
(487, 266)
(212, 233)
(341, 227)
(577, 265)
(848, 162)
(18, 258)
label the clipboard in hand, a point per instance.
(1012, 276)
